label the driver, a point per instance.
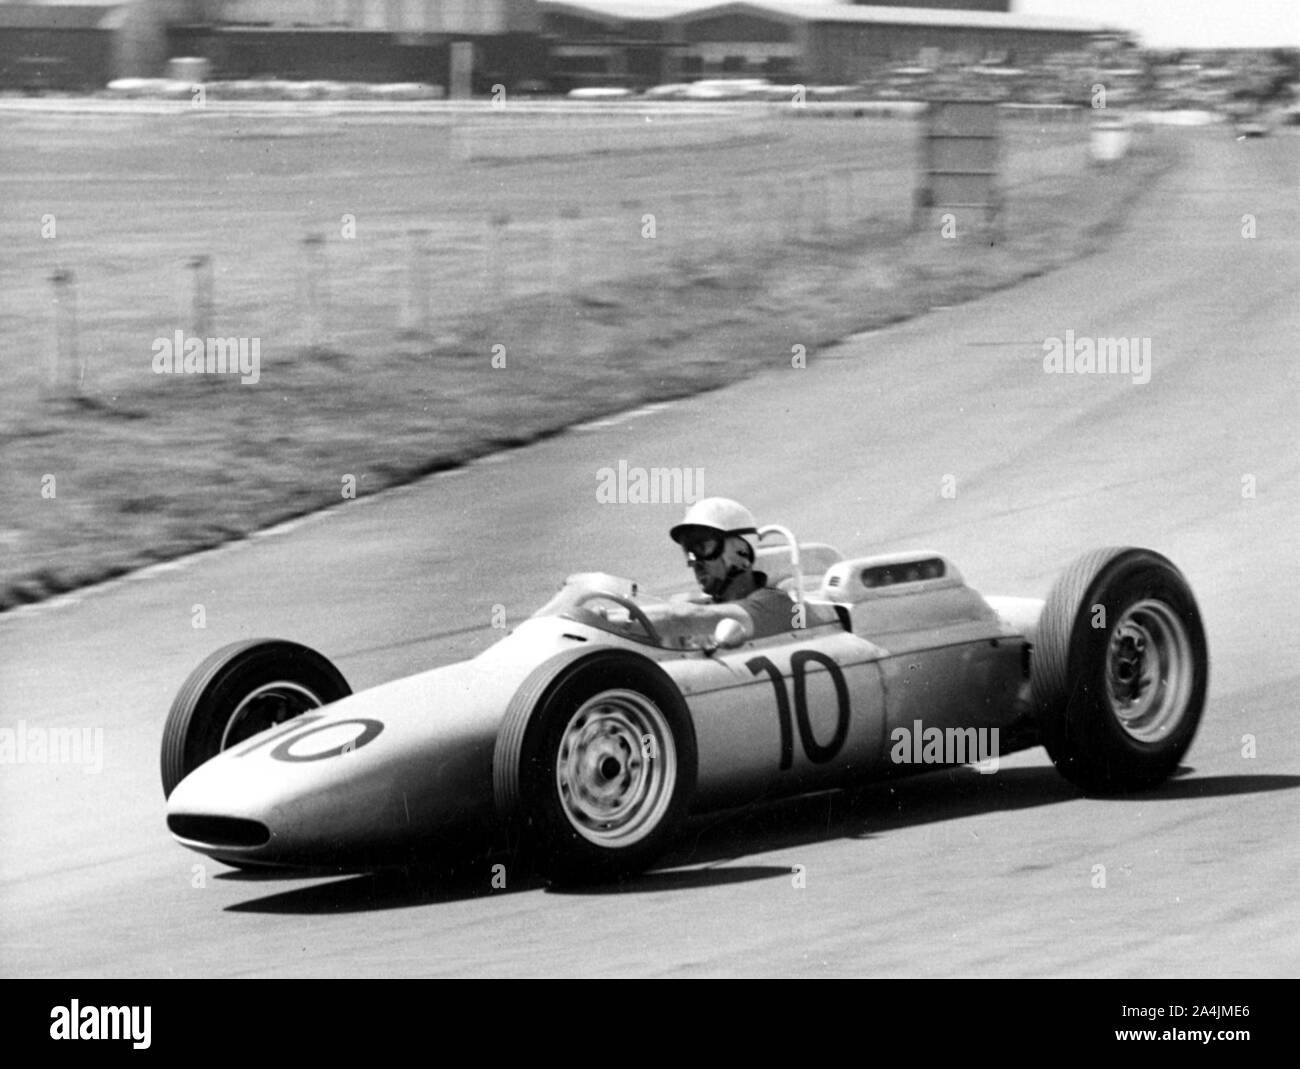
(720, 539)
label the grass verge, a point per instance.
(144, 470)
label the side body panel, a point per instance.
(784, 714)
(955, 669)
(966, 696)
(823, 707)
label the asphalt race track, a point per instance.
(953, 873)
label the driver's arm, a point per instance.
(690, 619)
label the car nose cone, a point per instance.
(373, 771)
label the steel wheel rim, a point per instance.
(265, 707)
(616, 768)
(1149, 671)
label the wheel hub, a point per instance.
(1128, 656)
(1148, 671)
(615, 768)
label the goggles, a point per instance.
(704, 547)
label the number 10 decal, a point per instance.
(817, 753)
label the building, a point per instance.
(522, 44)
(362, 40)
(610, 42)
(77, 47)
(83, 46)
(955, 5)
(644, 42)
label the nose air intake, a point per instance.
(219, 831)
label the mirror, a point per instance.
(729, 634)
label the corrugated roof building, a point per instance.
(642, 42)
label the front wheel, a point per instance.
(238, 691)
(596, 763)
(1120, 670)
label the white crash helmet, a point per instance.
(718, 516)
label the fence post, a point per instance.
(773, 221)
(416, 313)
(566, 276)
(496, 264)
(315, 288)
(201, 309)
(68, 363)
(571, 248)
(680, 224)
(795, 208)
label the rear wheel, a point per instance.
(596, 765)
(239, 691)
(1120, 670)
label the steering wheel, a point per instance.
(634, 610)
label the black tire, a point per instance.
(573, 776)
(1120, 670)
(219, 705)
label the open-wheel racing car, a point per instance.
(590, 732)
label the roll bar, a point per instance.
(793, 545)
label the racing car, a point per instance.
(592, 731)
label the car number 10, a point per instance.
(817, 753)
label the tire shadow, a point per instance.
(657, 881)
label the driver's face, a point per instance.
(710, 574)
(704, 555)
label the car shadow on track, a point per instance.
(710, 846)
(705, 856)
(426, 886)
(390, 889)
(866, 812)
(1184, 786)
(949, 794)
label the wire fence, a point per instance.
(366, 285)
